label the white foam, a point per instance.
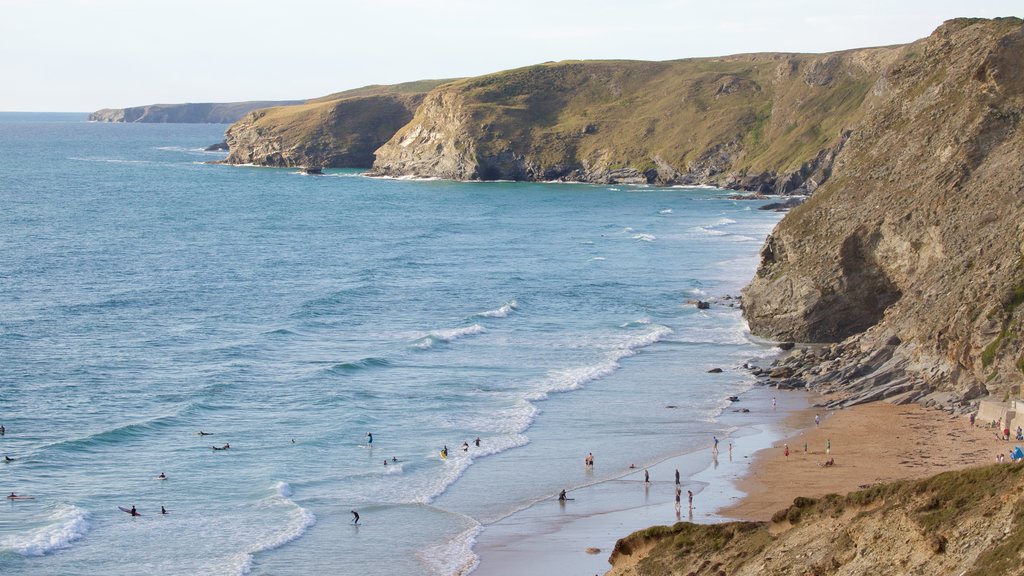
(598, 258)
(505, 309)
(645, 237)
(574, 378)
(69, 523)
(665, 211)
(454, 557)
(447, 335)
(299, 521)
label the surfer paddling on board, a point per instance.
(355, 517)
(201, 433)
(224, 447)
(14, 496)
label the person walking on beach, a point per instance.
(677, 477)
(971, 419)
(355, 517)
(714, 448)
(689, 497)
(773, 402)
(589, 460)
(786, 452)
(679, 492)
(647, 477)
(817, 420)
(828, 446)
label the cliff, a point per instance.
(337, 131)
(967, 522)
(202, 113)
(911, 256)
(772, 123)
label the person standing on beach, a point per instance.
(971, 419)
(817, 420)
(677, 479)
(786, 452)
(679, 492)
(714, 448)
(689, 497)
(647, 477)
(773, 402)
(828, 446)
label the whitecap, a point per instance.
(68, 523)
(645, 237)
(446, 335)
(501, 312)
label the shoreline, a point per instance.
(551, 537)
(870, 444)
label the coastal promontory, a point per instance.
(191, 113)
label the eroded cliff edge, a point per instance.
(772, 123)
(911, 257)
(338, 131)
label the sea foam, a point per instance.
(67, 524)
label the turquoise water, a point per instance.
(145, 296)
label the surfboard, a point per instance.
(443, 457)
(21, 498)
(128, 510)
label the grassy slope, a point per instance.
(625, 113)
(970, 521)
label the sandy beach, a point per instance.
(872, 443)
(869, 444)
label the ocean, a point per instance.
(146, 296)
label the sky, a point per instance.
(82, 55)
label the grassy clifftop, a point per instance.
(340, 130)
(742, 120)
(968, 522)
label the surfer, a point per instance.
(162, 476)
(355, 517)
(369, 437)
(201, 433)
(561, 496)
(385, 461)
(2, 430)
(8, 458)
(465, 446)
(589, 460)
(647, 477)
(224, 447)
(394, 459)
(163, 510)
(444, 451)
(477, 441)
(133, 511)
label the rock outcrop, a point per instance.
(338, 131)
(198, 113)
(911, 256)
(965, 522)
(770, 123)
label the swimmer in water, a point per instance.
(477, 441)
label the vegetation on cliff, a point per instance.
(766, 122)
(913, 252)
(968, 522)
(336, 131)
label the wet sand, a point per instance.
(553, 538)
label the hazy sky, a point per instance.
(80, 55)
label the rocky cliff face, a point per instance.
(967, 523)
(337, 131)
(335, 134)
(202, 113)
(911, 256)
(772, 123)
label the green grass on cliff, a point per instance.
(626, 113)
(935, 507)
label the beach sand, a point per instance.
(872, 443)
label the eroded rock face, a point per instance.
(734, 122)
(192, 113)
(918, 237)
(335, 134)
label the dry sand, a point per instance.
(871, 443)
